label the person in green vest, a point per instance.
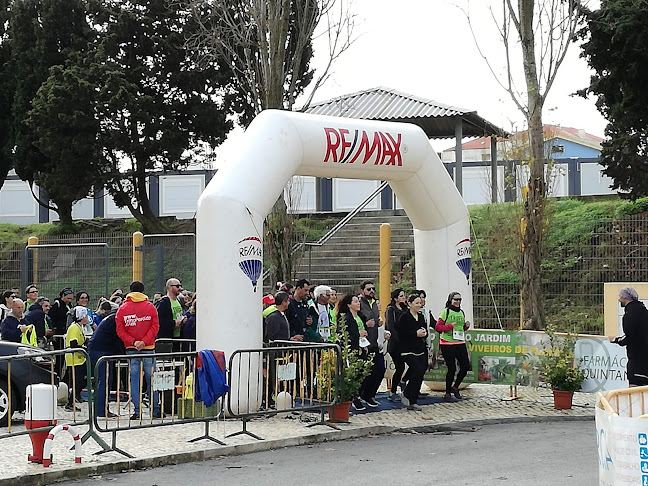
(74, 338)
(452, 325)
(268, 305)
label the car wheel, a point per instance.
(4, 403)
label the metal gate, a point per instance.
(82, 266)
(169, 256)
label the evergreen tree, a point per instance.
(153, 103)
(44, 37)
(616, 48)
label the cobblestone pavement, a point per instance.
(168, 445)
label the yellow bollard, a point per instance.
(138, 256)
(33, 241)
(385, 268)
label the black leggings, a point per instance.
(453, 353)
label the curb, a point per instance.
(82, 471)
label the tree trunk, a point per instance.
(64, 210)
(279, 240)
(533, 315)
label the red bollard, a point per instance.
(40, 411)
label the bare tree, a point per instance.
(542, 31)
(268, 46)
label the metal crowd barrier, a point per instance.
(286, 376)
(173, 384)
(40, 368)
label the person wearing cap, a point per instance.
(268, 305)
(37, 314)
(75, 362)
(635, 336)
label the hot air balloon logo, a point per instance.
(251, 258)
(463, 257)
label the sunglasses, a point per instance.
(67, 292)
(175, 285)
(369, 289)
(457, 300)
(32, 291)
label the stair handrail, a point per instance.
(340, 224)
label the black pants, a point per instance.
(78, 384)
(453, 353)
(371, 383)
(416, 371)
(399, 368)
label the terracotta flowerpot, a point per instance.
(563, 399)
(339, 413)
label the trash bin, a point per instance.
(622, 437)
(40, 411)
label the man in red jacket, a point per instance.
(137, 326)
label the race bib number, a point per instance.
(458, 335)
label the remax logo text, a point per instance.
(348, 146)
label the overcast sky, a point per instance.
(425, 48)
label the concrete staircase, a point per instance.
(353, 253)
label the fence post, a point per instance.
(159, 268)
(33, 241)
(138, 256)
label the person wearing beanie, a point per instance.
(137, 326)
(635, 336)
(75, 362)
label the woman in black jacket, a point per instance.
(393, 313)
(412, 335)
(348, 315)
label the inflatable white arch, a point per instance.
(280, 144)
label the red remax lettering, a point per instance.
(381, 148)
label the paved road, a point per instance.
(557, 453)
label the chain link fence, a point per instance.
(169, 256)
(573, 275)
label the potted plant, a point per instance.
(353, 369)
(559, 369)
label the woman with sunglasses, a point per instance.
(452, 325)
(59, 311)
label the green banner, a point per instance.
(505, 358)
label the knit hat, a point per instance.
(80, 313)
(628, 293)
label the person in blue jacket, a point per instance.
(105, 342)
(14, 325)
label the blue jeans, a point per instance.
(149, 367)
(100, 389)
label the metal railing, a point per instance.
(297, 377)
(41, 366)
(340, 224)
(168, 399)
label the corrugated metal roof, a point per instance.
(436, 119)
